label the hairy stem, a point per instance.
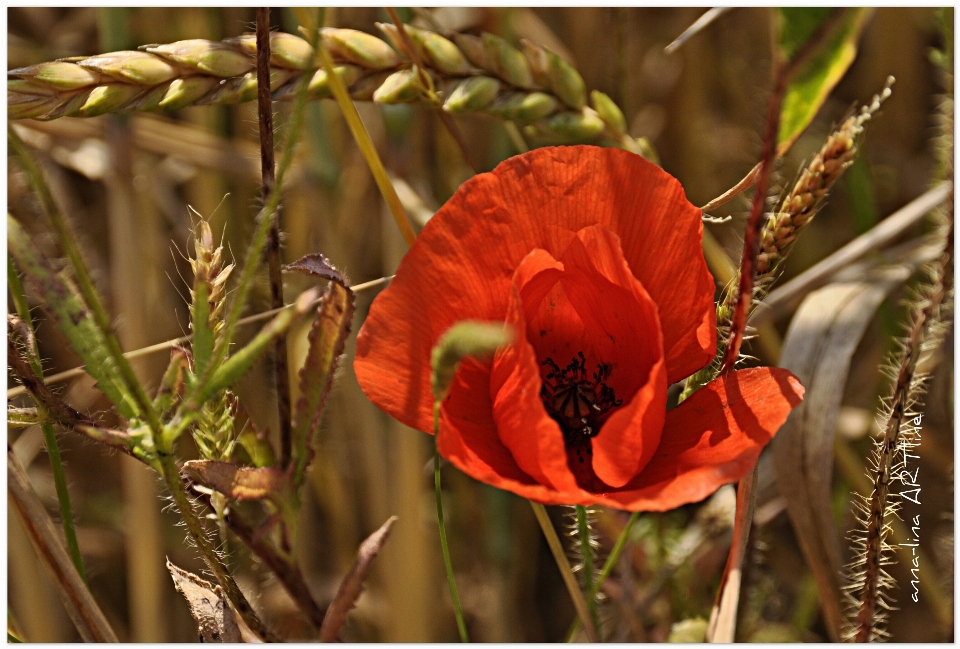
(586, 552)
(50, 439)
(174, 483)
(569, 579)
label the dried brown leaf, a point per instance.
(818, 349)
(327, 338)
(208, 606)
(319, 266)
(238, 483)
(352, 584)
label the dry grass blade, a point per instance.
(352, 584)
(723, 618)
(818, 349)
(208, 606)
(77, 600)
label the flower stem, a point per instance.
(566, 571)
(53, 449)
(461, 626)
(586, 551)
(607, 567)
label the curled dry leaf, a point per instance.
(209, 607)
(319, 266)
(238, 483)
(352, 584)
(818, 349)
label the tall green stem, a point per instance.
(53, 449)
(461, 625)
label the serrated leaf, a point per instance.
(832, 34)
(327, 338)
(236, 482)
(319, 266)
(62, 301)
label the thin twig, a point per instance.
(267, 171)
(174, 342)
(77, 600)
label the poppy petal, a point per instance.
(534, 439)
(621, 321)
(462, 265)
(711, 439)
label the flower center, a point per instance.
(575, 401)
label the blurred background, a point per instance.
(126, 183)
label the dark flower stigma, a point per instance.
(576, 402)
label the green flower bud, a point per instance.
(206, 56)
(609, 112)
(472, 94)
(364, 88)
(466, 338)
(108, 98)
(400, 87)
(286, 50)
(60, 74)
(566, 82)
(138, 67)
(508, 62)
(440, 53)
(579, 127)
(29, 106)
(360, 48)
(473, 48)
(185, 91)
(523, 106)
(539, 62)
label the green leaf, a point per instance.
(73, 319)
(327, 338)
(831, 36)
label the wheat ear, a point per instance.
(468, 74)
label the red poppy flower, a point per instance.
(593, 256)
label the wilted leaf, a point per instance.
(352, 584)
(832, 35)
(208, 605)
(236, 482)
(818, 348)
(319, 266)
(327, 338)
(73, 319)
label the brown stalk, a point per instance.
(903, 389)
(45, 537)
(267, 170)
(286, 571)
(411, 51)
